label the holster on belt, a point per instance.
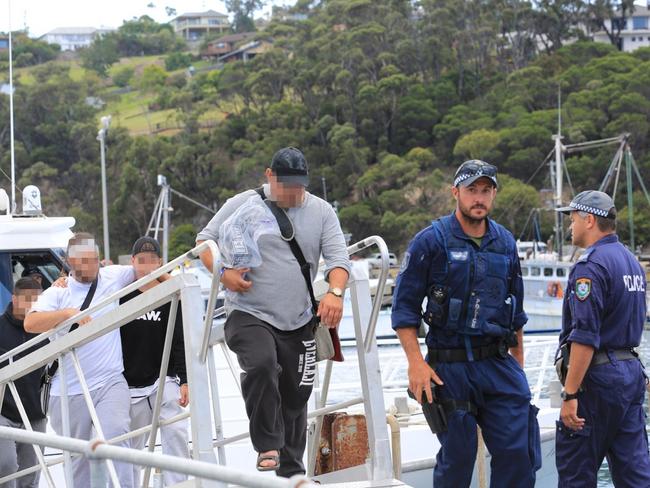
(562, 362)
(434, 412)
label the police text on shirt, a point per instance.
(634, 282)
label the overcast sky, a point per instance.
(41, 16)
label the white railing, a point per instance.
(201, 380)
(365, 315)
(97, 451)
(183, 287)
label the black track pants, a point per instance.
(278, 377)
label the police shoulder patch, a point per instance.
(583, 288)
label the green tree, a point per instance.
(177, 60)
(100, 55)
(478, 144)
(181, 239)
(242, 11)
(122, 76)
(153, 77)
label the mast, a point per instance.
(11, 120)
(559, 231)
(630, 197)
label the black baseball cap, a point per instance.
(593, 202)
(290, 166)
(31, 271)
(146, 244)
(470, 171)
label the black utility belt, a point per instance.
(601, 357)
(497, 349)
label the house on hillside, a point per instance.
(635, 29)
(73, 38)
(247, 51)
(226, 44)
(287, 14)
(192, 26)
(4, 43)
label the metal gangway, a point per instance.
(202, 337)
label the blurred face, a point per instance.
(475, 201)
(84, 265)
(579, 228)
(22, 301)
(145, 263)
(284, 194)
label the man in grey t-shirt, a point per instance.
(269, 323)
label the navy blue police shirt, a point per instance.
(426, 254)
(605, 303)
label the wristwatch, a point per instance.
(337, 292)
(568, 396)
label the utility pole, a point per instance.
(12, 205)
(101, 137)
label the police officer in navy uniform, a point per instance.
(467, 267)
(602, 321)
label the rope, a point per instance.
(191, 200)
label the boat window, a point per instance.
(561, 272)
(535, 271)
(524, 271)
(548, 271)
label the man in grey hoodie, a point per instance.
(269, 324)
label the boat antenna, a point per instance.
(559, 110)
(11, 120)
(559, 238)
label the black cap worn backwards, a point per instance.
(593, 202)
(146, 244)
(470, 171)
(290, 166)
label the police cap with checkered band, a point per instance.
(470, 171)
(593, 202)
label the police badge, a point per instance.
(583, 288)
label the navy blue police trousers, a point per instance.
(612, 406)
(499, 390)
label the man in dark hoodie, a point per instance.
(16, 456)
(143, 340)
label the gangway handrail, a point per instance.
(98, 450)
(366, 313)
(381, 283)
(191, 254)
(169, 291)
(353, 249)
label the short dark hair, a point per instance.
(26, 283)
(606, 224)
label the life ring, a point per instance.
(554, 289)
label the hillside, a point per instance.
(383, 106)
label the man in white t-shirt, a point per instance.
(100, 360)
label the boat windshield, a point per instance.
(48, 263)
